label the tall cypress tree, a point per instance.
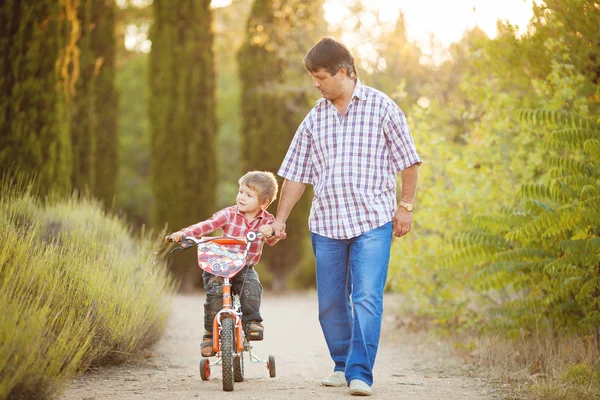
(274, 102)
(34, 134)
(82, 106)
(182, 113)
(103, 44)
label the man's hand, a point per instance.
(266, 231)
(402, 222)
(176, 236)
(279, 229)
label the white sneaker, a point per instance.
(359, 388)
(337, 379)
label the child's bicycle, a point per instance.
(216, 256)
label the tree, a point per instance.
(34, 132)
(182, 113)
(103, 43)
(82, 106)
(133, 193)
(230, 30)
(514, 261)
(274, 102)
(398, 70)
(576, 23)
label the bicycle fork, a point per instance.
(227, 311)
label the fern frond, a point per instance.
(577, 246)
(592, 203)
(548, 224)
(572, 139)
(470, 255)
(587, 289)
(539, 191)
(588, 191)
(490, 224)
(524, 254)
(465, 239)
(576, 182)
(561, 118)
(592, 148)
(591, 218)
(536, 207)
(572, 167)
(583, 260)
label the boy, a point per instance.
(257, 191)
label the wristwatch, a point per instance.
(407, 206)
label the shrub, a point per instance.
(77, 290)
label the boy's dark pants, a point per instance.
(250, 299)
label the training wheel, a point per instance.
(271, 366)
(205, 369)
(238, 368)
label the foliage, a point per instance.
(182, 115)
(77, 290)
(103, 43)
(577, 381)
(505, 231)
(580, 374)
(34, 130)
(230, 29)
(134, 194)
(274, 102)
(399, 71)
(58, 117)
(576, 23)
(541, 262)
(82, 104)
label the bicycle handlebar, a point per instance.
(189, 241)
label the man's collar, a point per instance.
(359, 92)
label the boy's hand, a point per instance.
(266, 231)
(176, 236)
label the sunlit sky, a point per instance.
(446, 19)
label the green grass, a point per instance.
(77, 290)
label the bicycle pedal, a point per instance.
(255, 336)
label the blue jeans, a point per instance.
(351, 276)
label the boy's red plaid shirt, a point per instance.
(234, 224)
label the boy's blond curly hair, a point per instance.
(263, 182)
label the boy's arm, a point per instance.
(203, 228)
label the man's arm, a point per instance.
(290, 194)
(402, 221)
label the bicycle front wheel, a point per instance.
(227, 352)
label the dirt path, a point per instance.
(403, 370)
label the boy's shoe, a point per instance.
(255, 331)
(359, 388)
(207, 349)
(337, 379)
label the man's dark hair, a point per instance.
(330, 55)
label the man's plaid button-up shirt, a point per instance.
(352, 161)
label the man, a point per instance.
(350, 147)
